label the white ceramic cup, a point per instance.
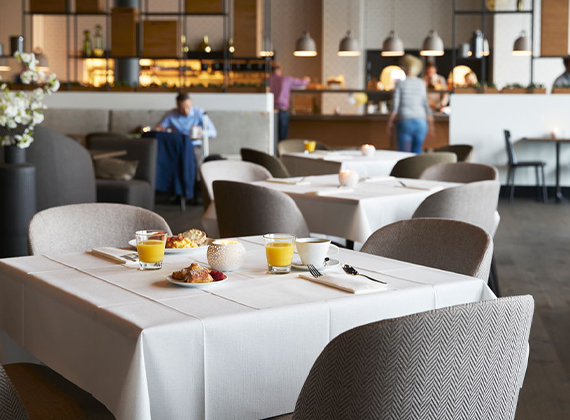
(314, 250)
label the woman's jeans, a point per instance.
(411, 134)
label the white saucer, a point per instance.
(195, 285)
(331, 264)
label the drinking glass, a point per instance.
(310, 146)
(150, 247)
(279, 248)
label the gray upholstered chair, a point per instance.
(448, 245)
(464, 152)
(413, 166)
(37, 392)
(245, 209)
(271, 163)
(229, 170)
(80, 227)
(64, 170)
(297, 146)
(460, 362)
(460, 172)
(138, 191)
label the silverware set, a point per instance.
(348, 269)
(131, 257)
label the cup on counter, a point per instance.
(279, 248)
(314, 250)
(348, 178)
(150, 247)
(310, 146)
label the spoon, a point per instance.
(348, 269)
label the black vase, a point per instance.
(14, 154)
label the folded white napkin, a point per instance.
(411, 187)
(300, 180)
(115, 254)
(329, 192)
(347, 283)
(377, 178)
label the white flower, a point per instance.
(25, 57)
(37, 118)
(5, 140)
(11, 124)
(27, 77)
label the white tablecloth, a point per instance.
(323, 163)
(357, 214)
(239, 350)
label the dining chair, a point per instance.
(449, 245)
(80, 227)
(413, 166)
(229, 170)
(271, 163)
(514, 163)
(460, 172)
(245, 209)
(464, 152)
(35, 391)
(297, 146)
(465, 361)
(138, 191)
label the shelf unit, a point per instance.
(219, 60)
(484, 12)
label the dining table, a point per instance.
(558, 142)
(323, 162)
(239, 349)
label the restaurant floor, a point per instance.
(532, 247)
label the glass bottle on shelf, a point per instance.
(231, 47)
(520, 5)
(98, 50)
(205, 45)
(87, 50)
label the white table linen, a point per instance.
(358, 213)
(238, 350)
(323, 162)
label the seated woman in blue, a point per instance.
(182, 118)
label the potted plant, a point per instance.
(565, 88)
(466, 89)
(536, 88)
(122, 87)
(200, 88)
(487, 87)
(155, 87)
(514, 88)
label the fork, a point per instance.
(130, 257)
(314, 272)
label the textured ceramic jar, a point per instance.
(225, 255)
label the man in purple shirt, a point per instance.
(281, 88)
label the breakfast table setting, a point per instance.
(221, 329)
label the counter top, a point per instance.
(346, 117)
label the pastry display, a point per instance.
(195, 273)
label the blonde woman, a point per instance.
(410, 107)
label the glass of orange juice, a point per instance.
(310, 146)
(150, 247)
(279, 248)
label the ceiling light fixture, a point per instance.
(305, 46)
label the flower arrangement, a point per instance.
(21, 111)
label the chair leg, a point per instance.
(494, 278)
(544, 191)
(508, 181)
(512, 189)
(538, 192)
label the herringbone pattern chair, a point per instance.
(461, 362)
(464, 152)
(413, 166)
(445, 244)
(11, 406)
(460, 172)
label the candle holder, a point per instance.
(367, 150)
(225, 255)
(554, 133)
(348, 178)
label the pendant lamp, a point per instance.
(392, 46)
(348, 46)
(305, 46)
(522, 45)
(477, 41)
(433, 45)
(463, 50)
(267, 49)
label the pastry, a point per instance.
(196, 235)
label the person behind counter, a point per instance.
(281, 87)
(411, 108)
(184, 117)
(435, 81)
(564, 79)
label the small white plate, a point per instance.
(195, 285)
(133, 243)
(330, 264)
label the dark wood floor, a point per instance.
(532, 247)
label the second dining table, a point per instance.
(239, 350)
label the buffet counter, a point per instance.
(355, 130)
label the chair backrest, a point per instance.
(297, 146)
(245, 209)
(64, 170)
(80, 227)
(474, 203)
(11, 406)
(413, 166)
(271, 163)
(510, 149)
(464, 361)
(229, 170)
(144, 150)
(464, 152)
(448, 245)
(460, 172)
